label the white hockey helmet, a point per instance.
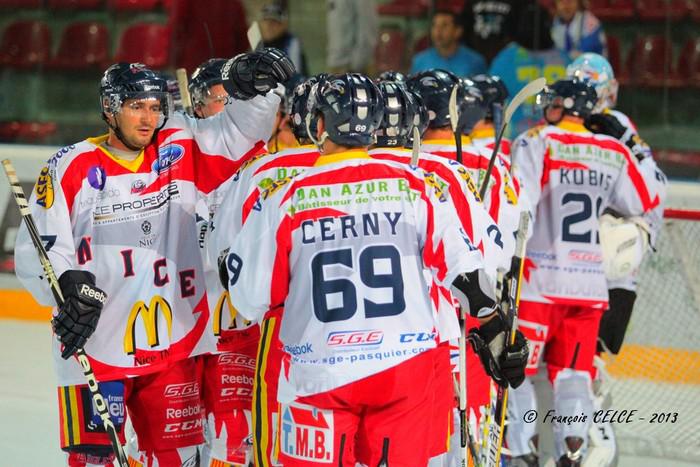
(595, 69)
(624, 243)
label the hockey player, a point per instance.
(117, 215)
(239, 203)
(483, 135)
(569, 176)
(348, 391)
(606, 120)
(207, 90)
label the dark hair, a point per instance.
(450, 13)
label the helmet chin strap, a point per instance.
(324, 135)
(120, 136)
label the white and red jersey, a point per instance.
(484, 139)
(502, 195)
(343, 248)
(133, 225)
(570, 176)
(236, 204)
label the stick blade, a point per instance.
(254, 36)
(531, 89)
(454, 115)
(415, 151)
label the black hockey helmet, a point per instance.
(395, 76)
(124, 81)
(298, 107)
(434, 87)
(576, 97)
(352, 108)
(470, 105)
(203, 77)
(493, 91)
(400, 114)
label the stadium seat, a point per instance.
(27, 132)
(21, 3)
(449, 5)
(147, 43)
(132, 5)
(414, 8)
(656, 10)
(421, 44)
(648, 60)
(75, 4)
(689, 62)
(83, 45)
(612, 10)
(25, 44)
(615, 58)
(391, 46)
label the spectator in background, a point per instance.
(488, 25)
(576, 30)
(447, 53)
(353, 26)
(530, 56)
(274, 28)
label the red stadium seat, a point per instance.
(147, 43)
(612, 10)
(414, 8)
(650, 62)
(25, 44)
(75, 4)
(689, 62)
(132, 5)
(615, 59)
(655, 10)
(28, 132)
(389, 54)
(21, 3)
(83, 45)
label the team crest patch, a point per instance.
(307, 433)
(168, 156)
(97, 177)
(44, 189)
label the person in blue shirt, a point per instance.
(576, 30)
(530, 56)
(447, 53)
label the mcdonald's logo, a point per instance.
(149, 317)
(225, 302)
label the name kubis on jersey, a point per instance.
(589, 177)
(307, 433)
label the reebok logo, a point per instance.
(88, 291)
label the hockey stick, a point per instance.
(454, 121)
(97, 400)
(531, 89)
(181, 75)
(510, 312)
(415, 150)
(254, 36)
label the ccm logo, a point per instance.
(88, 291)
(182, 390)
(184, 426)
(243, 392)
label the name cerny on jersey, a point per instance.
(362, 256)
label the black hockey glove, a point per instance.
(608, 124)
(77, 318)
(256, 73)
(504, 363)
(223, 269)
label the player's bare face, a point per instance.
(214, 102)
(553, 114)
(138, 120)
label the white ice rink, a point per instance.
(28, 411)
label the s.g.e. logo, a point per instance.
(44, 189)
(167, 157)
